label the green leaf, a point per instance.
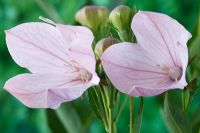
(64, 119)
(49, 10)
(102, 2)
(69, 8)
(175, 119)
(195, 119)
(54, 122)
(189, 93)
(194, 54)
(69, 117)
(138, 121)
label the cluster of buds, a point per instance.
(121, 18)
(94, 17)
(103, 44)
(97, 18)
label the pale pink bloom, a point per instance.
(60, 59)
(156, 63)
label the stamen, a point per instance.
(85, 75)
(175, 73)
(164, 68)
(72, 66)
(47, 20)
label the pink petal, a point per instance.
(146, 92)
(39, 47)
(143, 69)
(183, 54)
(130, 67)
(80, 41)
(47, 90)
(76, 34)
(161, 34)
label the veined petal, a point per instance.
(76, 33)
(79, 40)
(156, 64)
(146, 92)
(129, 66)
(47, 90)
(39, 47)
(161, 34)
(183, 55)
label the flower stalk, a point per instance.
(131, 114)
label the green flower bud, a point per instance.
(93, 17)
(103, 44)
(121, 18)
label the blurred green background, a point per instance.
(16, 118)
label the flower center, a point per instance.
(85, 75)
(175, 73)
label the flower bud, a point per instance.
(93, 17)
(121, 17)
(103, 44)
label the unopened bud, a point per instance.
(121, 17)
(93, 17)
(103, 44)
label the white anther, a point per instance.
(175, 73)
(47, 20)
(85, 75)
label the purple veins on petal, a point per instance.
(60, 72)
(156, 63)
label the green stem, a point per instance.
(123, 35)
(120, 109)
(111, 121)
(131, 114)
(108, 107)
(101, 103)
(186, 98)
(104, 100)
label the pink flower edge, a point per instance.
(60, 59)
(156, 63)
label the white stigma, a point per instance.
(47, 20)
(85, 75)
(175, 73)
(82, 74)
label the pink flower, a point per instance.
(60, 59)
(156, 63)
